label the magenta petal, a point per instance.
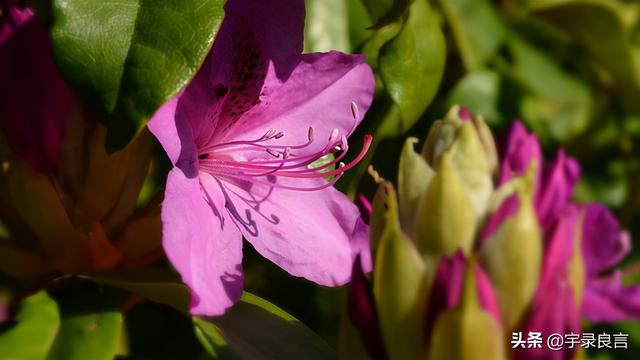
(319, 93)
(486, 294)
(508, 208)
(307, 233)
(603, 244)
(518, 151)
(558, 182)
(607, 300)
(447, 289)
(202, 243)
(34, 100)
(361, 245)
(363, 313)
(256, 41)
(559, 246)
(555, 312)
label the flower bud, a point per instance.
(472, 150)
(447, 220)
(467, 330)
(512, 254)
(400, 287)
(414, 176)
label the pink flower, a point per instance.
(242, 137)
(34, 100)
(448, 283)
(557, 307)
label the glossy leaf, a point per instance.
(557, 104)
(327, 26)
(606, 30)
(92, 335)
(395, 12)
(35, 329)
(126, 58)
(477, 29)
(412, 63)
(157, 285)
(256, 329)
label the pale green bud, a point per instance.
(447, 219)
(400, 287)
(512, 255)
(473, 152)
(414, 176)
(467, 332)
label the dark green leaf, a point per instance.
(256, 329)
(377, 8)
(558, 103)
(606, 30)
(397, 10)
(412, 63)
(157, 285)
(477, 28)
(125, 58)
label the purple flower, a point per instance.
(242, 137)
(34, 100)
(604, 246)
(582, 244)
(446, 291)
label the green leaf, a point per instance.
(607, 30)
(412, 63)
(256, 329)
(477, 28)
(253, 328)
(377, 8)
(479, 91)
(557, 104)
(35, 329)
(93, 335)
(358, 21)
(157, 285)
(397, 10)
(125, 58)
(326, 26)
(211, 339)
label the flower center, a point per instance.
(281, 161)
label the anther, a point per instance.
(354, 110)
(334, 134)
(269, 134)
(273, 153)
(310, 133)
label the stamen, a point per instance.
(310, 133)
(354, 110)
(219, 160)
